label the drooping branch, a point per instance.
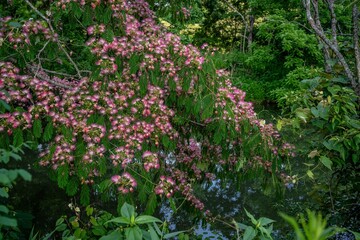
(320, 33)
(56, 40)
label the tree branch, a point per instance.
(56, 40)
(320, 33)
(355, 19)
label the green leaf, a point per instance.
(59, 221)
(265, 221)
(24, 174)
(63, 175)
(37, 128)
(60, 227)
(310, 174)
(89, 210)
(133, 233)
(173, 234)
(116, 235)
(250, 233)
(5, 105)
(123, 220)
(87, 17)
(153, 233)
(3, 193)
(72, 186)
(326, 162)
(107, 15)
(207, 107)
(4, 179)
(75, 7)
(48, 132)
(220, 133)
(4, 209)
(15, 24)
(127, 210)
(108, 35)
(253, 220)
(146, 219)
(143, 83)
(10, 222)
(99, 231)
(151, 205)
(18, 137)
(356, 234)
(85, 195)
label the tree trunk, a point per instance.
(251, 28)
(355, 19)
(332, 46)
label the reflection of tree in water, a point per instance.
(40, 200)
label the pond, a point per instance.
(41, 202)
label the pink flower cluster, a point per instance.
(165, 186)
(18, 38)
(126, 183)
(151, 160)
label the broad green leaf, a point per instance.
(172, 235)
(133, 233)
(123, 220)
(127, 211)
(265, 221)
(250, 233)
(326, 161)
(241, 226)
(4, 179)
(6, 221)
(356, 234)
(61, 227)
(153, 234)
(24, 174)
(116, 235)
(146, 219)
(4, 209)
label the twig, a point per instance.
(46, 78)
(56, 40)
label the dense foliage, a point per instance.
(126, 100)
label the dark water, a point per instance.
(40, 203)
